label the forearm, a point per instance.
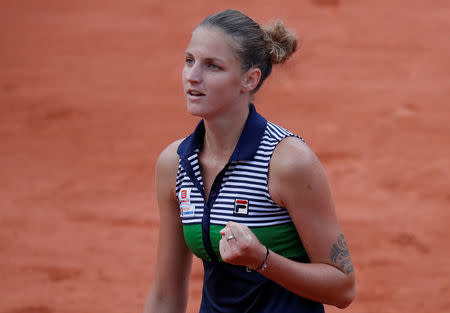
(316, 281)
(160, 302)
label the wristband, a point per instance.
(263, 265)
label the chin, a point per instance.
(203, 109)
(195, 109)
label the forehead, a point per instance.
(211, 42)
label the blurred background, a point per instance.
(90, 93)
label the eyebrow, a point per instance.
(208, 59)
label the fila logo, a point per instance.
(241, 207)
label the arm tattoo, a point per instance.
(340, 255)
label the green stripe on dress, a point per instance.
(194, 240)
(281, 239)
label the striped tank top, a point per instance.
(240, 194)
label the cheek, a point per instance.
(229, 85)
(183, 75)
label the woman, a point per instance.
(245, 195)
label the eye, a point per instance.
(214, 67)
(189, 60)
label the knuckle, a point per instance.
(246, 243)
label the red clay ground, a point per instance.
(90, 93)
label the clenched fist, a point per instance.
(239, 246)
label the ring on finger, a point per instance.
(230, 237)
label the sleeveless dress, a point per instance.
(239, 193)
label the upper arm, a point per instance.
(174, 258)
(298, 182)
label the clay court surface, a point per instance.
(90, 93)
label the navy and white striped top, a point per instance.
(239, 193)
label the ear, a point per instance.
(251, 79)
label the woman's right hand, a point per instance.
(240, 246)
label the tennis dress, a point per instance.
(240, 194)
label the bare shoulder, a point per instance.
(168, 159)
(166, 171)
(294, 168)
(292, 156)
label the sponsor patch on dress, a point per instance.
(185, 196)
(187, 210)
(240, 207)
(186, 207)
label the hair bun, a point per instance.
(282, 43)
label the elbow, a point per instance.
(346, 297)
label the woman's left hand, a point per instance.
(239, 246)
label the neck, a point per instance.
(222, 134)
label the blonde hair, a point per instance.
(282, 43)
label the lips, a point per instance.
(195, 93)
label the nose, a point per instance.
(193, 73)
